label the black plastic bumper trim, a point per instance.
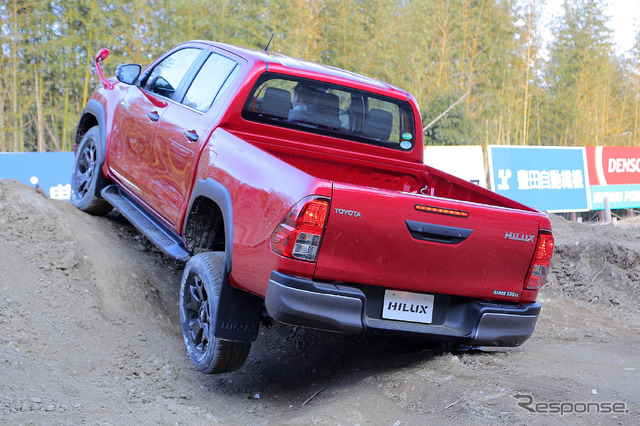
(351, 309)
(297, 301)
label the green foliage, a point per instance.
(581, 75)
(580, 93)
(453, 129)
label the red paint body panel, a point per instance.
(132, 130)
(174, 160)
(267, 169)
(263, 189)
(377, 248)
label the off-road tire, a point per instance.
(86, 175)
(200, 288)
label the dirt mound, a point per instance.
(83, 303)
(29, 219)
(90, 334)
(598, 264)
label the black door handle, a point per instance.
(438, 233)
(191, 135)
(153, 115)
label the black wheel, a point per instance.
(85, 175)
(199, 292)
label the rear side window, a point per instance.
(337, 111)
(213, 77)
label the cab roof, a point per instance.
(276, 62)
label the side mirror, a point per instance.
(102, 54)
(128, 73)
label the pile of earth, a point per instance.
(90, 334)
(597, 263)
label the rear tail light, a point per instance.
(299, 235)
(540, 265)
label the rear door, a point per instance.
(181, 133)
(425, 244)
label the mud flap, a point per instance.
(238, 317)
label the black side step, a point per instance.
(169, 243)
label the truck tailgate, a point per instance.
(426, 244)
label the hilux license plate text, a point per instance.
(405, 306)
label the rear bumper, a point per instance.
(354, 310)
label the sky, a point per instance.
(625, 16)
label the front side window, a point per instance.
(337, 111)
(167, 75)
(213, 77)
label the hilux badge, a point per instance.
(519, 237)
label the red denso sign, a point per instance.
(613, 165)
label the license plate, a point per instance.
(405, 306)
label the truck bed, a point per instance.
(364, 170)
(395, 224)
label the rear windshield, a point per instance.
(331, 110)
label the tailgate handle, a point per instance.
(438, 233)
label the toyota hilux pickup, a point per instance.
(299, 190)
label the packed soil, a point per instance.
(90, 334)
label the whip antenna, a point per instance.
(269, 42)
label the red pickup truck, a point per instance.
(300, 189)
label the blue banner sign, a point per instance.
(549, 179)
(51, 171)
(620, 196)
